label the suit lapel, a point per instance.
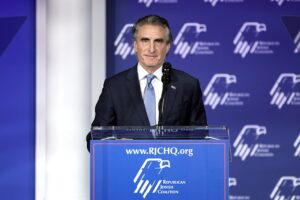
(133, 86)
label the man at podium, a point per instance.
(151, 92)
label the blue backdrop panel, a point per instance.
(17, 104)
(246, 54)
(165, 169)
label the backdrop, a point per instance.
(244, 52)
(246, 55)
(17, 107)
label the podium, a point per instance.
(180, 163)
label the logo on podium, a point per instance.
(148, 177)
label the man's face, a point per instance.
(151, 46)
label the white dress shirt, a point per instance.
(156, 82)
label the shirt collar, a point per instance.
(142, 72)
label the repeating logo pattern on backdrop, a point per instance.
(123, 43)
(297, 43)
(214, 2)
(247, 40)
(247, 144)
(188, 42)
(148, 3)
(286, 90)
(233, 182)
(287, 188)
(280, 2)
(218, 92)
(256, 41)
(297, 146)
(147, 179)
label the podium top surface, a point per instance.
(159, 132)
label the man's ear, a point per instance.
(168, 47)
(134, 46)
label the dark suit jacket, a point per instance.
(121, 102)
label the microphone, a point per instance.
(166, 70)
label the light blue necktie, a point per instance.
(149, 100)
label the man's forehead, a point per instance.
(152, 26)
(152, 31)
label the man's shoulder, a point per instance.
(181, 75)
(121, 76)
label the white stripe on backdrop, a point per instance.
(70, 72)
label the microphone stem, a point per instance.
(160, 105)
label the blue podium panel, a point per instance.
(159, 169)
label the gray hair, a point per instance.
(152, 20)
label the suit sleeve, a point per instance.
(198, 114)
(104, 111)
(105, 114)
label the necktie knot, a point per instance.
(149, 77)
